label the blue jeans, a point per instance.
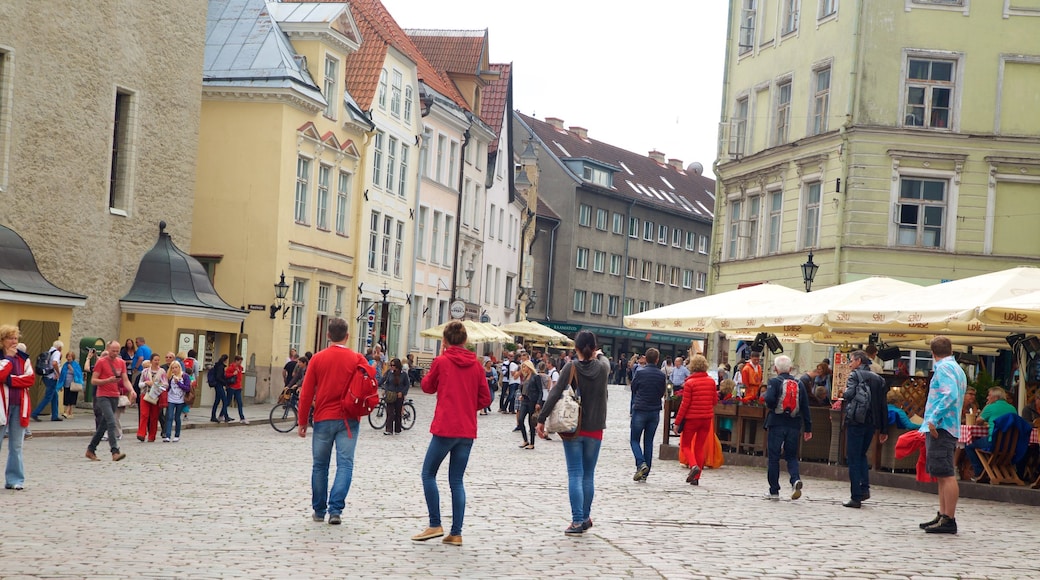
(581, 453)
(439, 448)
(781, 437)
(858, 438)
(50, 397)
(327, 433)
(644, 426)
(236, 395)
(173, 414)
(219, 397)
(15, 473)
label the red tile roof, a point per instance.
(638, 177)
(545, 211)
(496, 100)
(453, 51)
(379, 31)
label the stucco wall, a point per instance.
(66, 60)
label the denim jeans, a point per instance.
(511, 402)
(50, 397)
(173, 415)
(105, 419)
(439, 448)
(236, 395)
(857, 441)
(15, 472)
(219, 398)
(581, 453)
(644, 427)
(326, 434)
(781, 437)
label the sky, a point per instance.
(640, 76)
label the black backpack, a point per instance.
(43, 363)
(857, 406)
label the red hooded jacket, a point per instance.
(457, 377)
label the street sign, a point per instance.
(485, 318)
(458, 309)
(259, 307)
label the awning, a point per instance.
(20, 277)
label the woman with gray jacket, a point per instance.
(395, 388)
(588, 373)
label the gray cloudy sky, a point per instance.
(639, 75)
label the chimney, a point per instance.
(656, 156)
(579, 131)
(676, 163)
(556, 122)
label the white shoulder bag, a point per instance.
(565, 417)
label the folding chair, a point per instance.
(998, 462)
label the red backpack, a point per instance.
(362, 394)
(787, 404)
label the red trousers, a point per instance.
(693, 444)
(148, 419)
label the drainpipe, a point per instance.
(851, 109)
(458, 216)
(552, 260)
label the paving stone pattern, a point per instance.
(234, 502)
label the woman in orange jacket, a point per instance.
(696, 414)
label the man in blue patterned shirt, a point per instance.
(942, 429)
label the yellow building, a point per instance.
(280, 175)
(891, 137)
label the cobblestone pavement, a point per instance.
(235, 502)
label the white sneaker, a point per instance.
(104, 437)
(176, 439)
(243, 421)
(796, 489)
(165, 439)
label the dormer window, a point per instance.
(596, 175)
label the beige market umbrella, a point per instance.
(697, 316)
(476, 332)
(948, 308)
(1016, 314)
(536, 332)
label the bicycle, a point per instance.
(284, 415)
(377, 418)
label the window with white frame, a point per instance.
(323, 298)
(619, 224)
(702, 281)
(702, 245)
(783, 111)
(388, 227)
(738, 127)
(775, 220)
(582, 261)
(596, 175)
(662, 234)
(648, 271)
(330, 86)
(584, 215)
(599, 260)
(676, 238)
(508, 300)
(615, 264)
(488, 296)
(435, 237)
(420, 237)
(735, 211)
(632, 268)
(596, 304)
(322, 202)
(381, 94)
(403, 172)
(398, 248)
(449, 232)
(691, 241)
(601, 219)
(340, 291)
(929, 92)
(644, 305)
(442, 148)
(303, 172)
(821, 100)
(662, 274)
(491, 223)
(408, 104)
(827, 7)
(612, 305)
(579, 301)
(373, 241)
(477, 204)
(746, 41)
(498, 280)
(630, 306)
(467, 185)
(648, 231)
(342, 202)
(754, 209)
(673, 277)
(501, 223)
(633, 227)
(395, 93)
(391, 162)
(922, 212)
(453, 158)
(789, 23)
(377, 159)
(687, 279)
(296, 317)
(811, 215)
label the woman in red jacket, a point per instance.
(695, 415)
(461, 387)
(16, 376)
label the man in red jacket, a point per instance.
(329, 374)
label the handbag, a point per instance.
(390, 396)
(565, 417)
(76, 387)
(124, 401)
(149, 397)
(189, 397)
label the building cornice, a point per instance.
(284, 96)
(41, 300)
(179, 310)
(307, 32)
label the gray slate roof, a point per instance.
(167, 275)
(19, 272)
(246, 48)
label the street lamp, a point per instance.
(809, 272)
(280, 290)
(384, 316)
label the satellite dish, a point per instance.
(695, 168)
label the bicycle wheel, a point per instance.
(407, 415)
(377, 418)
(283, 417)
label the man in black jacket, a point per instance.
(648, 388)
(860, 427)
(782, 429)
